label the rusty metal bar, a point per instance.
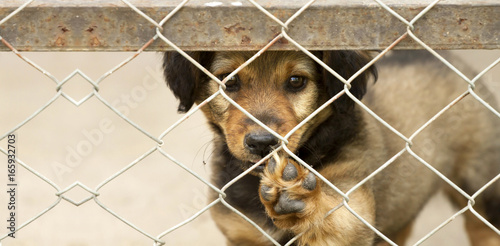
(62, 25)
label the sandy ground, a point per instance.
(90, 143)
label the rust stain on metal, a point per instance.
(283, 41)
(279, 41)
(91, 29)
(233, 29)
(246, 39)
(60, 41)
(64, 29)
(460, 20)
(215, 41)
(104, 18)
(94, 41)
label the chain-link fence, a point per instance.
(75, 169)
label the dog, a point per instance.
(343, 142)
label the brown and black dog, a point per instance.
(342, 142)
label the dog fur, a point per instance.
(342, 142)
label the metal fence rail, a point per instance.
(240, 25)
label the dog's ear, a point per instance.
(183, 77)
(346, 64)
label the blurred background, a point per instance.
(90, 143)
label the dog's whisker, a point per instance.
(206, 146)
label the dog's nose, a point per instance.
(260, 143)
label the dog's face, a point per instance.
(279, 88)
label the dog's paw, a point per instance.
(288, 191)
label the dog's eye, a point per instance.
(232, 84)
(296, 83)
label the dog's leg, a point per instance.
(479, 233)
(400, 237)
(298, 201)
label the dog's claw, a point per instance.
(286, 205)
